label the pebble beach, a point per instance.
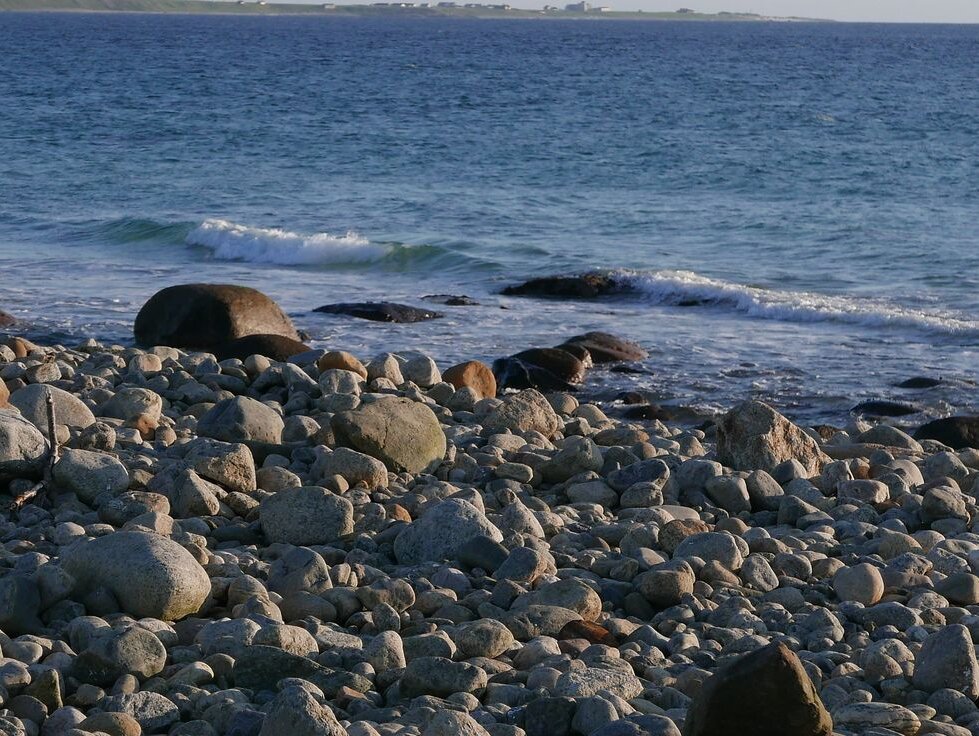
(225, 532)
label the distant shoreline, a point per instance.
(327, 10)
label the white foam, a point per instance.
(232, 242)
(677, 287)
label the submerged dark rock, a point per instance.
(648, 412)
(451, 300)
(207, 316)
(274, 347)
(607, 348)
(920, 382)
(381, 311)
(581, 286)
(956, 432)
(884, 409)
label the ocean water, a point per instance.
(815, 187)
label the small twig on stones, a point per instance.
(36, 492)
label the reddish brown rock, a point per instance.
(475, 375)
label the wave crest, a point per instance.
(686, 288)
(233, 242)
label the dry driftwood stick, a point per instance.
(36, 492)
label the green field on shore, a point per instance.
(328, 9)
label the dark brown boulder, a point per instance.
(606, 348)
(208, 316)
(764, 693)
(920, 382)
(380, 311)
(274, 347)
(956, 432)
(546, 369)
(582, 286)
(7, 319)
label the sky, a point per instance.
(905, 11)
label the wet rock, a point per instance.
(920, 382)
(208, 316)
(881, 408)
(547, 369)
(956, 432)
(582, 286)
(606, 348)
(381, 311)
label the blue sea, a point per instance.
(813, 187)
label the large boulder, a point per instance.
(69, 410)
(405, 435)
(764, 693)
(273, 347)
(442, 531)
(956, 432)
(306, 515)
(208, 316)
(527, 411)
(241, 418)
(151, 576)
(753, 436)
(23, 448)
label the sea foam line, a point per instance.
(688, 287)
(233, 242)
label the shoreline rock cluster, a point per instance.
(325, 546)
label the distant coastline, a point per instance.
(482, 10)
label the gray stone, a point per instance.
(154, 712)
(241, 418)
(89, 474)
(442, 531)
(403, 434)
(440, 677)
(306, 515)
(151, 576)
(23, 449)
(948, 659)
(355, 467)
(69, 409)
(527, 411)
(229, 465)
(130, 402)
(753, 436)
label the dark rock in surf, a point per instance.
(647, 412)
(274, 347)
(920, 382)
(607, 348)
(7, 319)
(582, 286)
(381, 311)
(208, 316)
(546, 369)
(515, 373)
(633, 370)
(956, 432)
(884, 409)
(451, 300)
(580, 352)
